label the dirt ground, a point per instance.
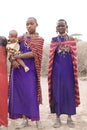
(48, 119)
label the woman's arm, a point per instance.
(26, 55)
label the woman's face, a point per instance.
(61, 27)
(31, 26)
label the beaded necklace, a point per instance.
(65, 36)
(27, 38)
(62, 47)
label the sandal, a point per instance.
(39, 125)
(2, 127)
(57, 123)
(22, 124)
(70, 123)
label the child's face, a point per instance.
(13, 37)
(61, 27)
(31, 26)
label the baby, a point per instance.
(13, 48)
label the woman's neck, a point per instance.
(32, 34)
(63, 35)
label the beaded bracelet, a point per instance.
(19, 55)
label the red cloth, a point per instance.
(3, 87)
(72, 45)
(36, 45)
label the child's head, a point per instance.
(62, 26)
(31, 25)
(13, 36)
(3, 40)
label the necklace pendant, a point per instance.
(26, 44)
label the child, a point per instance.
(13, 48)
(62, 75)
(25, 89)
(3, 84)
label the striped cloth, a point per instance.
(36, 45)
(73, 49)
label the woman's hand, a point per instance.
(15, 64)
(16, 56)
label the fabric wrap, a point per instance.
(73, 50)
(36, 44)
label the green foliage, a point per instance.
(77, 36)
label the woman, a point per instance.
(62, 75)
(3, 84)
(25, 89)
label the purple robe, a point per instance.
(23, 95)
(63, 93)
